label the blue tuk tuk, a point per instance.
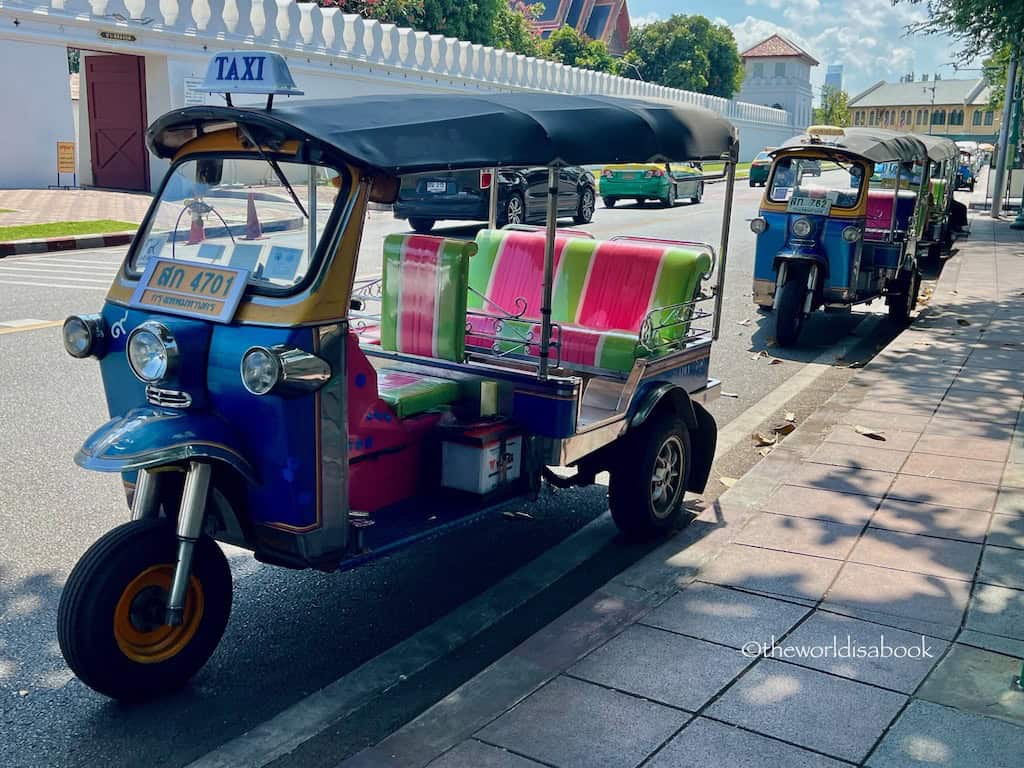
(837, 239)
(263, 396)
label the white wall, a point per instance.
(37, 112)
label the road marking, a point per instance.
(17, 326)
(36, 273)
(55, 285)
(62, 266)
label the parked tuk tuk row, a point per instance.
(260, 395)
(854, 228)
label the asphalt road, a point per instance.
(291, 633)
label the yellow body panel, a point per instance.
(815, 153)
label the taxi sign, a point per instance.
(258, 72)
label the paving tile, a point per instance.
(843, 479)
(573, 723)
(775, 573)
(1006, 531)
(726, 616)
(895, 440)
(949, 493)
(977, 680)
(1010, 502)
(931, 519)
(968, 427)
(953, 468)
(891, 597)
(1002, 566)
(706, 742)
(859, 456)
(1013, 477)
(929, 735)
(663, 666)
(799, 534)
(1000, 414)
(873, 420)
(996, 610)
(1009, 646)
(911, 406)
(1005, 359)
(966, 447)
(801, 501)
(862, 650)
(921, 554)
(475, 754)
(809, 708)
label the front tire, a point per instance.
(585, 209)
(110, 619)
(789, 319)
(513, 212)
(901, 306)
(700, 193)
(421, 225)
(646, 490)
(670, 198)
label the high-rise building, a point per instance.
(834, 77)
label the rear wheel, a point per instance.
(904, 299)
(421, 225)
(609, 202)
(789, 319)
(646, 490)
(670, 197)
(110, 622)
(699, 193)
(585, 209)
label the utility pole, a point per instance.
(1004, 134)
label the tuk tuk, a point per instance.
(263, 396)
(965, 174)
(943, 159)
(835, 240)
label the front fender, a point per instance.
(149, 437)
(811, 257)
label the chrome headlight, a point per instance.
(758, 225)
(82, 335)
(801, 227)
(283, 368)
(851, 234)
(152, 352)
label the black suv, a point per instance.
(522, 196)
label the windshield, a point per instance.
(761, 156)
(803, 178)
(241, 212)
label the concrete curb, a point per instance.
(48, 244)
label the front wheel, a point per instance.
(699, 193)
(110, 622)
(903, 302)
(513, 212)
(421, 225)
(585, 209)
(609, 202)
(646, 490)
(669, 199)
(789, 318)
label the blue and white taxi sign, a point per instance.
(260, 72)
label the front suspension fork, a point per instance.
(191, 514)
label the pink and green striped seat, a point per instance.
(423, 312)
(602, 292)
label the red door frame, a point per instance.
(140, 62)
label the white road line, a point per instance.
(54, 285)
(63, 275)
(63, 262)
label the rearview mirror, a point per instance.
(209, 171)
(384, 189)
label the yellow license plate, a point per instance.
(194, 290)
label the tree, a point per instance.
(405, 13)
(512, 29)
(471, 20)
(834, 109)
(568, 46)
(980, 26)
(687, 52)
(994, 69)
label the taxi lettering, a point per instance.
(232, 69)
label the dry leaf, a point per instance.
(784, 429)
(728, 482)
(790, 416)
(765, 451)
(744, 321)
(869, 432)
(728, 394)
(762, 439)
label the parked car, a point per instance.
(649, 181)
(425, 199)
(759, 168)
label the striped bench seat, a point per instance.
(603, 290)
(879, 215)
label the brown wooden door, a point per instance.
(117, 121)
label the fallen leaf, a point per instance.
(728, 394)
(869, 432)
(784, 429)
(856, 364)
(762, 439)
(790, 416)
(765, 451)
(744, 321)
(961, 321)
(728, 482)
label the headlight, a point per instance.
(758, 225)
(82, 335)
(801, 227)
(152, 352)
(283, 368)
(851, 234)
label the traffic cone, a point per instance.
(253, 231)
(196, 233)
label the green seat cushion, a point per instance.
(411, 393)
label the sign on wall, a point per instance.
(193, 93)
(65, 157)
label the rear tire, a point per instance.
(700, 193)
(646, 490)
(110, 618)
(609, 202)
(423, 226)
(789, 319)
(901, 306)
(585, 209)
(670, 199)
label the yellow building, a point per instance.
(957, 109)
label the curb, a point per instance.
(48, 244)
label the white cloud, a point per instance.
(647, 18)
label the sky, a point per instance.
(868, 37)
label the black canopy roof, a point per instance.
(415, 133)
(939, 148)
(875, 144)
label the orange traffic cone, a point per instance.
(253, 231)
(196, 233)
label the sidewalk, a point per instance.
(884, 578)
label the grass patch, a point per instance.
(6, 210)
(712, 168)
(64, 229)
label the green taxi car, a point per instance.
(648, 181)
(759, 168)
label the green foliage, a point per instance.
(995, 67)
(568, 46)
(471, 20)
(980, 26)
(511, 28)
(687, 52)
(405, 13)
(834, 109)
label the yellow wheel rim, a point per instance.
(138, 618)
